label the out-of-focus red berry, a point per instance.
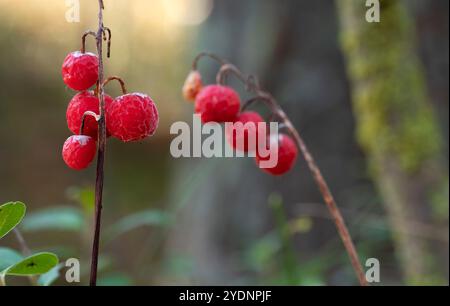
(287, 154)
(243, 135)
(216, 103)
(192, 86)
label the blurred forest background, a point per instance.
(371, 101)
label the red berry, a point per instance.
(192, 86)
(80, 70)
(132, 117)
(79, 151)
(287, 154)
(81, 103)
(217, 103)
(244, 138)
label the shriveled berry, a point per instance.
(216, 103)
(80, 70)
(79, 151)
(192, 86)
(243, 135)
(81, 103)
(132, 117)
(287, 154)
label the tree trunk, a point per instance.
(396, 127)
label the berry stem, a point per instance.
(83, 40)
(121, 81)
(329, 200)
(25, 251)
(207, 54)
(83, 120)
(23, 245)
(107, 30)
(253, 86)
(270, 105)
(101, 149)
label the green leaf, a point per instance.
(8, 257)
(34, 265)
(143, 218)
(10, 215)
(57, 218)
(50, 277)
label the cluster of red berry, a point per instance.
(130, 117)
(218, 103)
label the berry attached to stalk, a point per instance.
(80, 70)
(243, 136)
(132, 117)
(79, 151)
(216, 103)
(80, 104)
(287, 154)
(192, 86)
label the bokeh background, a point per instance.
(371, 101)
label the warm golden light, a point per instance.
(188, 12)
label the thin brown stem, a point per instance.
(23, 245)
(209, 55)
(83, 40)
(268, 102)
(83, 120)
(121, 82)
(107, 31)
(26, 252)
(101, 150)
(252, 85)
(330, 202)
(227, 69)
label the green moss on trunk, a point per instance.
(396, 125)
(390, 100)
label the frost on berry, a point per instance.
(216, 103)
(79, 151)
(132, 117)
(287, 154)
(242, 135)
(81, 103)
(80, 70)
(192, 86)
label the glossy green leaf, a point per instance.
(34, 265)
(10, 215)
(57, 218)
(9, 257)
